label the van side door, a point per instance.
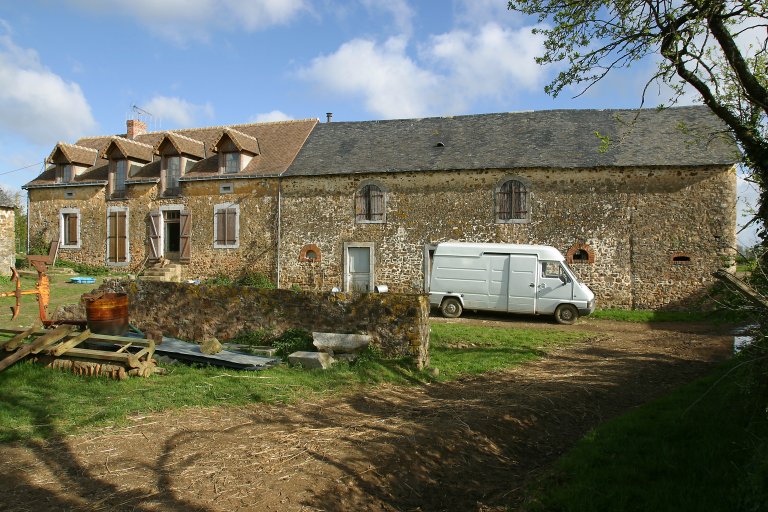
(523, 272)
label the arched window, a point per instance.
(580, 253)
(512, 203)
(370, 204)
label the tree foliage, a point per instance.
(717, 48)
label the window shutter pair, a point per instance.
(226, 226)
(117, 237)
(512, 201)
(369, 204)
(185, 231)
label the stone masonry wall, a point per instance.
(7, 241)
(256, 199)
(397, 323)
(634, 220)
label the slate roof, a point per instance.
(563, 139)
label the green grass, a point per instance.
(461, 349)
(703, 447)
(40, 403)
(644, 315)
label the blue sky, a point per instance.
(71, 68)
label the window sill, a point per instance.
(220, 246)
(513, 221)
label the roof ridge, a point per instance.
(126, 139)
(75, 146)
(182, 136)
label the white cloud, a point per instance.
(275, 115)
(490, 61)
(176, 111)
(453, 71)
(390, 83)
(36, 103)
(182, 20)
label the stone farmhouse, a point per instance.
(642, 202)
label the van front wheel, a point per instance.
(451, 308)
(566, 314)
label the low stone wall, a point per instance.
(397, 323)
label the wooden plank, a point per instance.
(14, 342)
(103, 355)
(70, 343)
(40, 343)
(51, 337)
(103, 337)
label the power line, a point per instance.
(21, 168)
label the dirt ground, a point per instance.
(466, 445)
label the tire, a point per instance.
(451, 308)
(566, 314)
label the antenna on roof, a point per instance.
(142, 115)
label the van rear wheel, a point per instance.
(566, 314)
(451, 308)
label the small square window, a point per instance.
(226, 188)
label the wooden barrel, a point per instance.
(108, 314)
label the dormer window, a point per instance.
(237, 151)
(172, 175)
(231, 162)
(121, 174)
(64, 173)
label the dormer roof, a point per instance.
(130, 149)
(73, 154)
(182, 144)
(242, 141)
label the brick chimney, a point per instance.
(135, 127)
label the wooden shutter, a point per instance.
(117, 237)
(155, 224)
(70, 221)
(185, 231)
(376, 209)
(226, 226)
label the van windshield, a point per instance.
(570, 272)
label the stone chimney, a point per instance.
(135, 127)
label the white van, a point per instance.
(532, 279)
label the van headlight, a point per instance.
(591, 304)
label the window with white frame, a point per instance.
(69, 228)
(226, 226)
(513, 202)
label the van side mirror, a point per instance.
(563, 279)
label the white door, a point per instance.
(555, 287)
(522, 283)
(359, 271)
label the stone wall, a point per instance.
(633, 220)
(255, 197)
(7, 240)
(398, 323)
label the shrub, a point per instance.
(255, 279)
(220, 280)
(255, 338)
(291, 341)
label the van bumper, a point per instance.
(589, 309)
